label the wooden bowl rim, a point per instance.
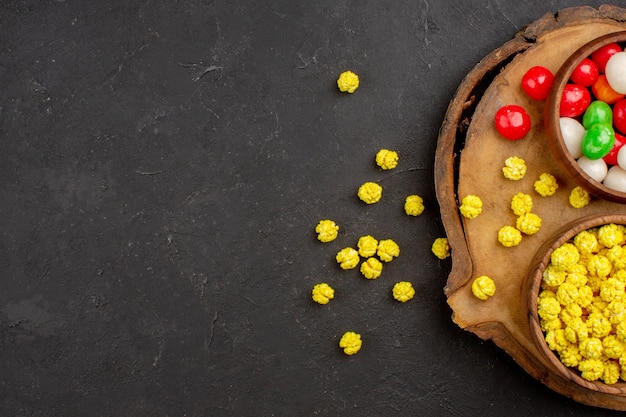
(552, 116)
(542, 259)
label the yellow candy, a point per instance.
(579, 197)
(322, 293)
(371, 268)
(348, 82)
(387, 159)
(528, 223)
(414, 205)
(348, 258)
(471, 206)
(521, 204)
(441, 248)
(403, 291)
(387, 250)
(546, 185)
(351, 343)
(509, 236)
(367, 246)
(514, 168)
(370, 192)
(483, 287)
(326, 230)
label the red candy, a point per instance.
(574, 100)
(536, 82)
(512, 122)
(611, 157)
(602, 55)
(619, 116)
(586, 73)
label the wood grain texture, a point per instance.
(469, 160)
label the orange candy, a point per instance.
(603, 91)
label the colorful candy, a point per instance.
(593, 116)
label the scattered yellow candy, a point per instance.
(322, 293)
(514, 168)
(441, 248)
(348, 258)
(546, 185)
(579, 197)
(509, 236)
(521, 203)
(483, 287)
(371, 268)
(413, 205)
(387, 250)
(471, 206)
(403, 291)
(326, 230)
(348, 82)
(370, 192)
(528, 223)
(367, 246)
(350, 342)
(387, 159)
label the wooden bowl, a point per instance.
(532, 287)
(552, 126)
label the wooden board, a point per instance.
(469, 160)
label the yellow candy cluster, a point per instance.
(387, 159)
(441, 248)
(370, 192)
(546, 185)
(414, 205)
(579, 197)
(527, 222)
(326, 230)
(351, 343)
(514, 168)
(582, 304)
(371, 268)
(348, 82)
(471, 206)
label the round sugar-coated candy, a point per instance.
(611, 157)
(619, 116)
(585, 74)
(595, 168)
(572, 132)
(621, 157)
(615, 179)
(537, 81)
(597, 112)
(601, 55)
(603, 91)
(598, 141)
(616, 72)
(512, 121)
(574, 100)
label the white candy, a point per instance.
(616, 179)
(595, 168)
(572, 131)
(616, 72)
(621, 157)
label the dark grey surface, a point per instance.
(163, 166)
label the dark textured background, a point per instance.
(163, 165)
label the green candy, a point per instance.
(598, 112)
(598, 140)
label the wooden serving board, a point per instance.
(469, 160)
